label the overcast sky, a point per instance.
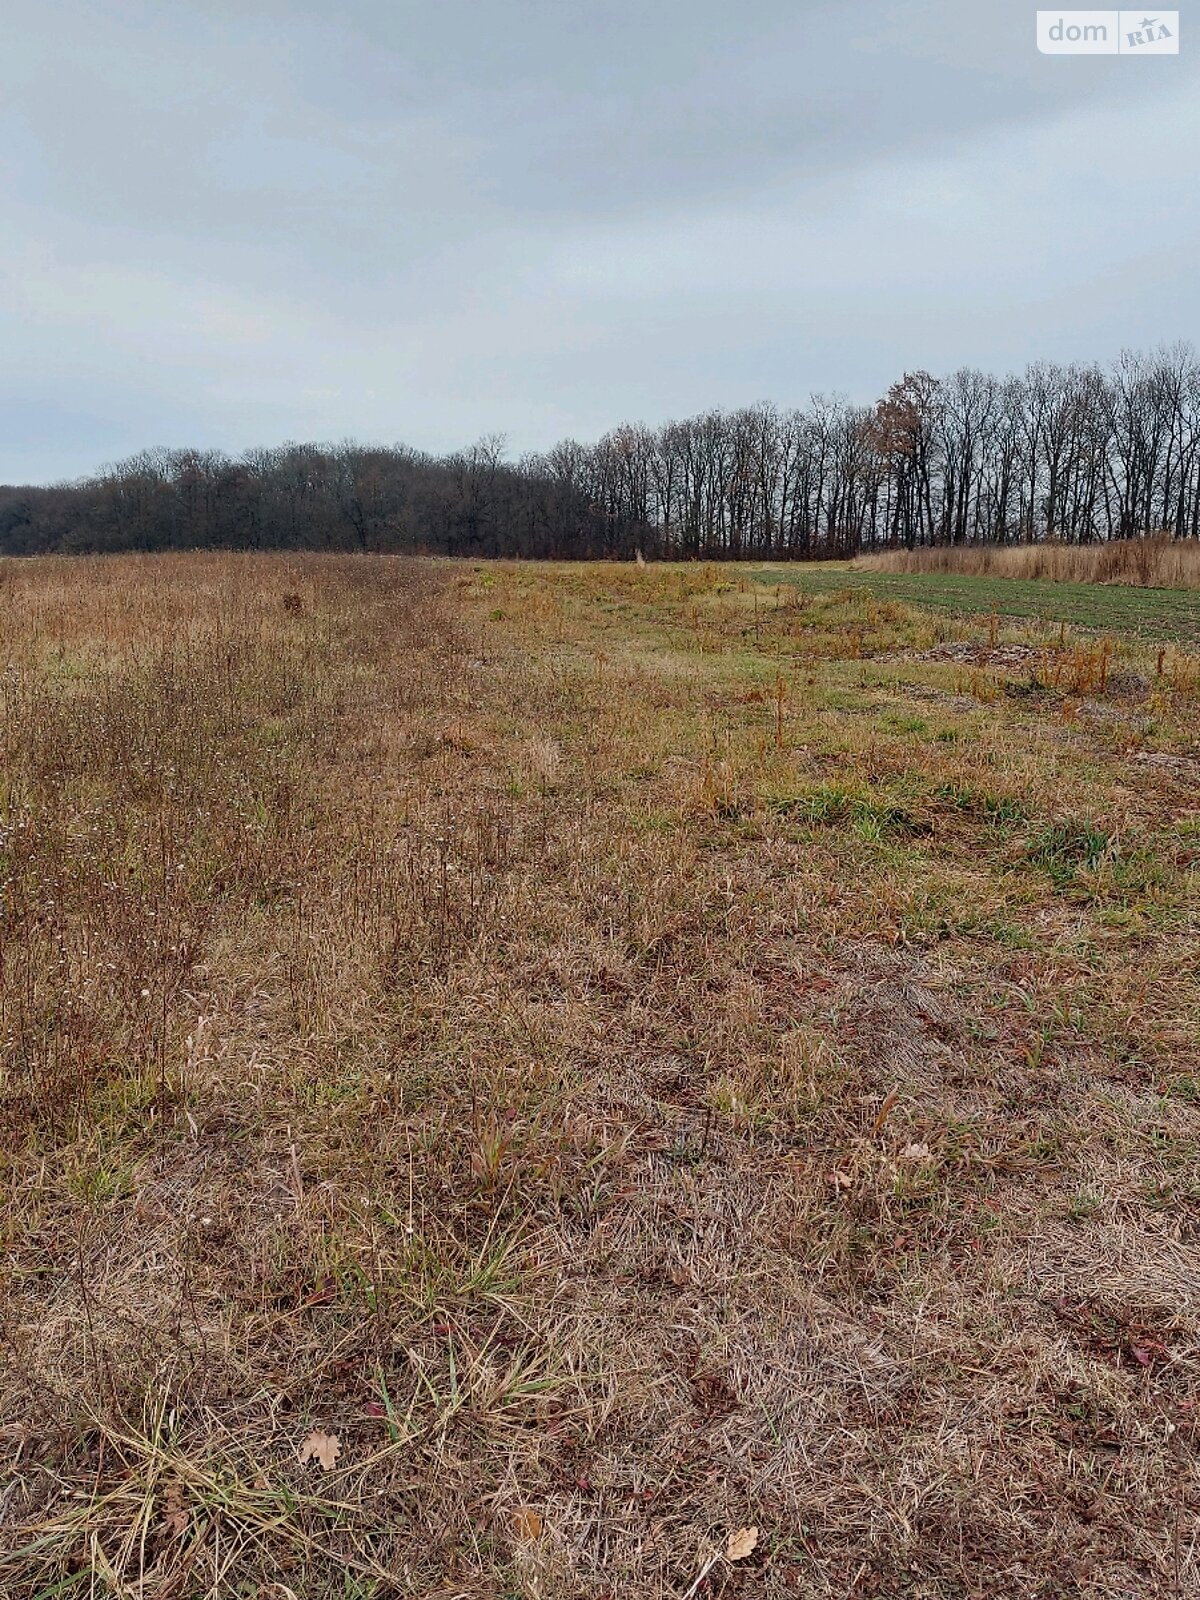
(233, 222)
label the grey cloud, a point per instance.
(239, 223)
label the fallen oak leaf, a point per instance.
(175, 1517)
(738, 1546)
(741, 1544)
(1148, 1352)
(527, 1524)
(323, 1448)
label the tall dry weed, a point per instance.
(1156, 562)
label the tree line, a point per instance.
(1074, 453)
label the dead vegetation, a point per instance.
(547, 1081)
(1156, 561)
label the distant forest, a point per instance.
(1075, 453)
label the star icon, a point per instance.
(1148, 22)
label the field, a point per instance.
(1150, 614)
(515, 1074)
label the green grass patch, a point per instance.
(1171, 614)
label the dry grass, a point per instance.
(631, 1059)
(1157, 562)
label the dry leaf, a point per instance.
(741, 1544)
(916, 1152)
(175, 1518)
(886, 1109)
(527, 1525)
(322, 1448)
